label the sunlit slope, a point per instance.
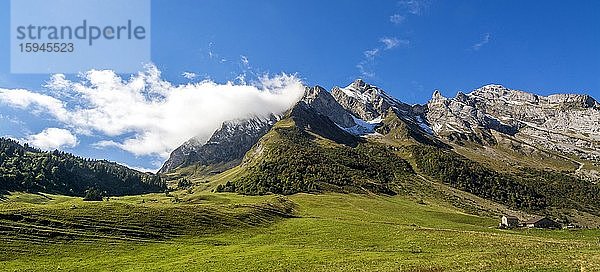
(330, 232)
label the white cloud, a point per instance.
(392, 42)
(52, 138)
(370, 54)
(241, 78)
(189, 75)
(57, 82)
(245, 61)
(154, 115)
(485, 39)
(397, 19)
(365, 69)
(23, 99)
(415, 7)
(11, 119)
(141, 169)
(366, 66)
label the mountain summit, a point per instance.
(224, 149)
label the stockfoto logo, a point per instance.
(71, 36)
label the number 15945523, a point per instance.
(47, 47)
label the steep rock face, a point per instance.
(226, 147)
(459, 119)
(567, 123)
(373, 105)
(309, 119)
(324, 103)
(366, 101)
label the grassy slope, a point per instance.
(297, 155)
(332, 232)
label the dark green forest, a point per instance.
(524, 188)
(563, 190)
(23, 168)
(298, 164)
(466, 175)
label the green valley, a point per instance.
(228, 232)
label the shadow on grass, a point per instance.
(43, 195)
(4, 195)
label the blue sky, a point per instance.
(549, 47)
(409, 48)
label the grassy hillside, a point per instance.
(304, 166)
(293, 157)
(509, 173)
(134, 218)
(330, 232)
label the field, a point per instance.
(228, 232)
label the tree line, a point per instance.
(24, 168)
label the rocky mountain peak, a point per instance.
(494, 94)
(577, 100)
(310, 119)
(437, 95)
(312, 93)
(498, 92)
(358, 84)
(225, 148)
(568, 123)
(366, 101)
(324, 103)
(462, 97)
(493, 88)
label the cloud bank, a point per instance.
(145, 114)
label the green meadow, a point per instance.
(302, 232)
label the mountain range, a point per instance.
(528, 152)
(493, 150)
(565, 126)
